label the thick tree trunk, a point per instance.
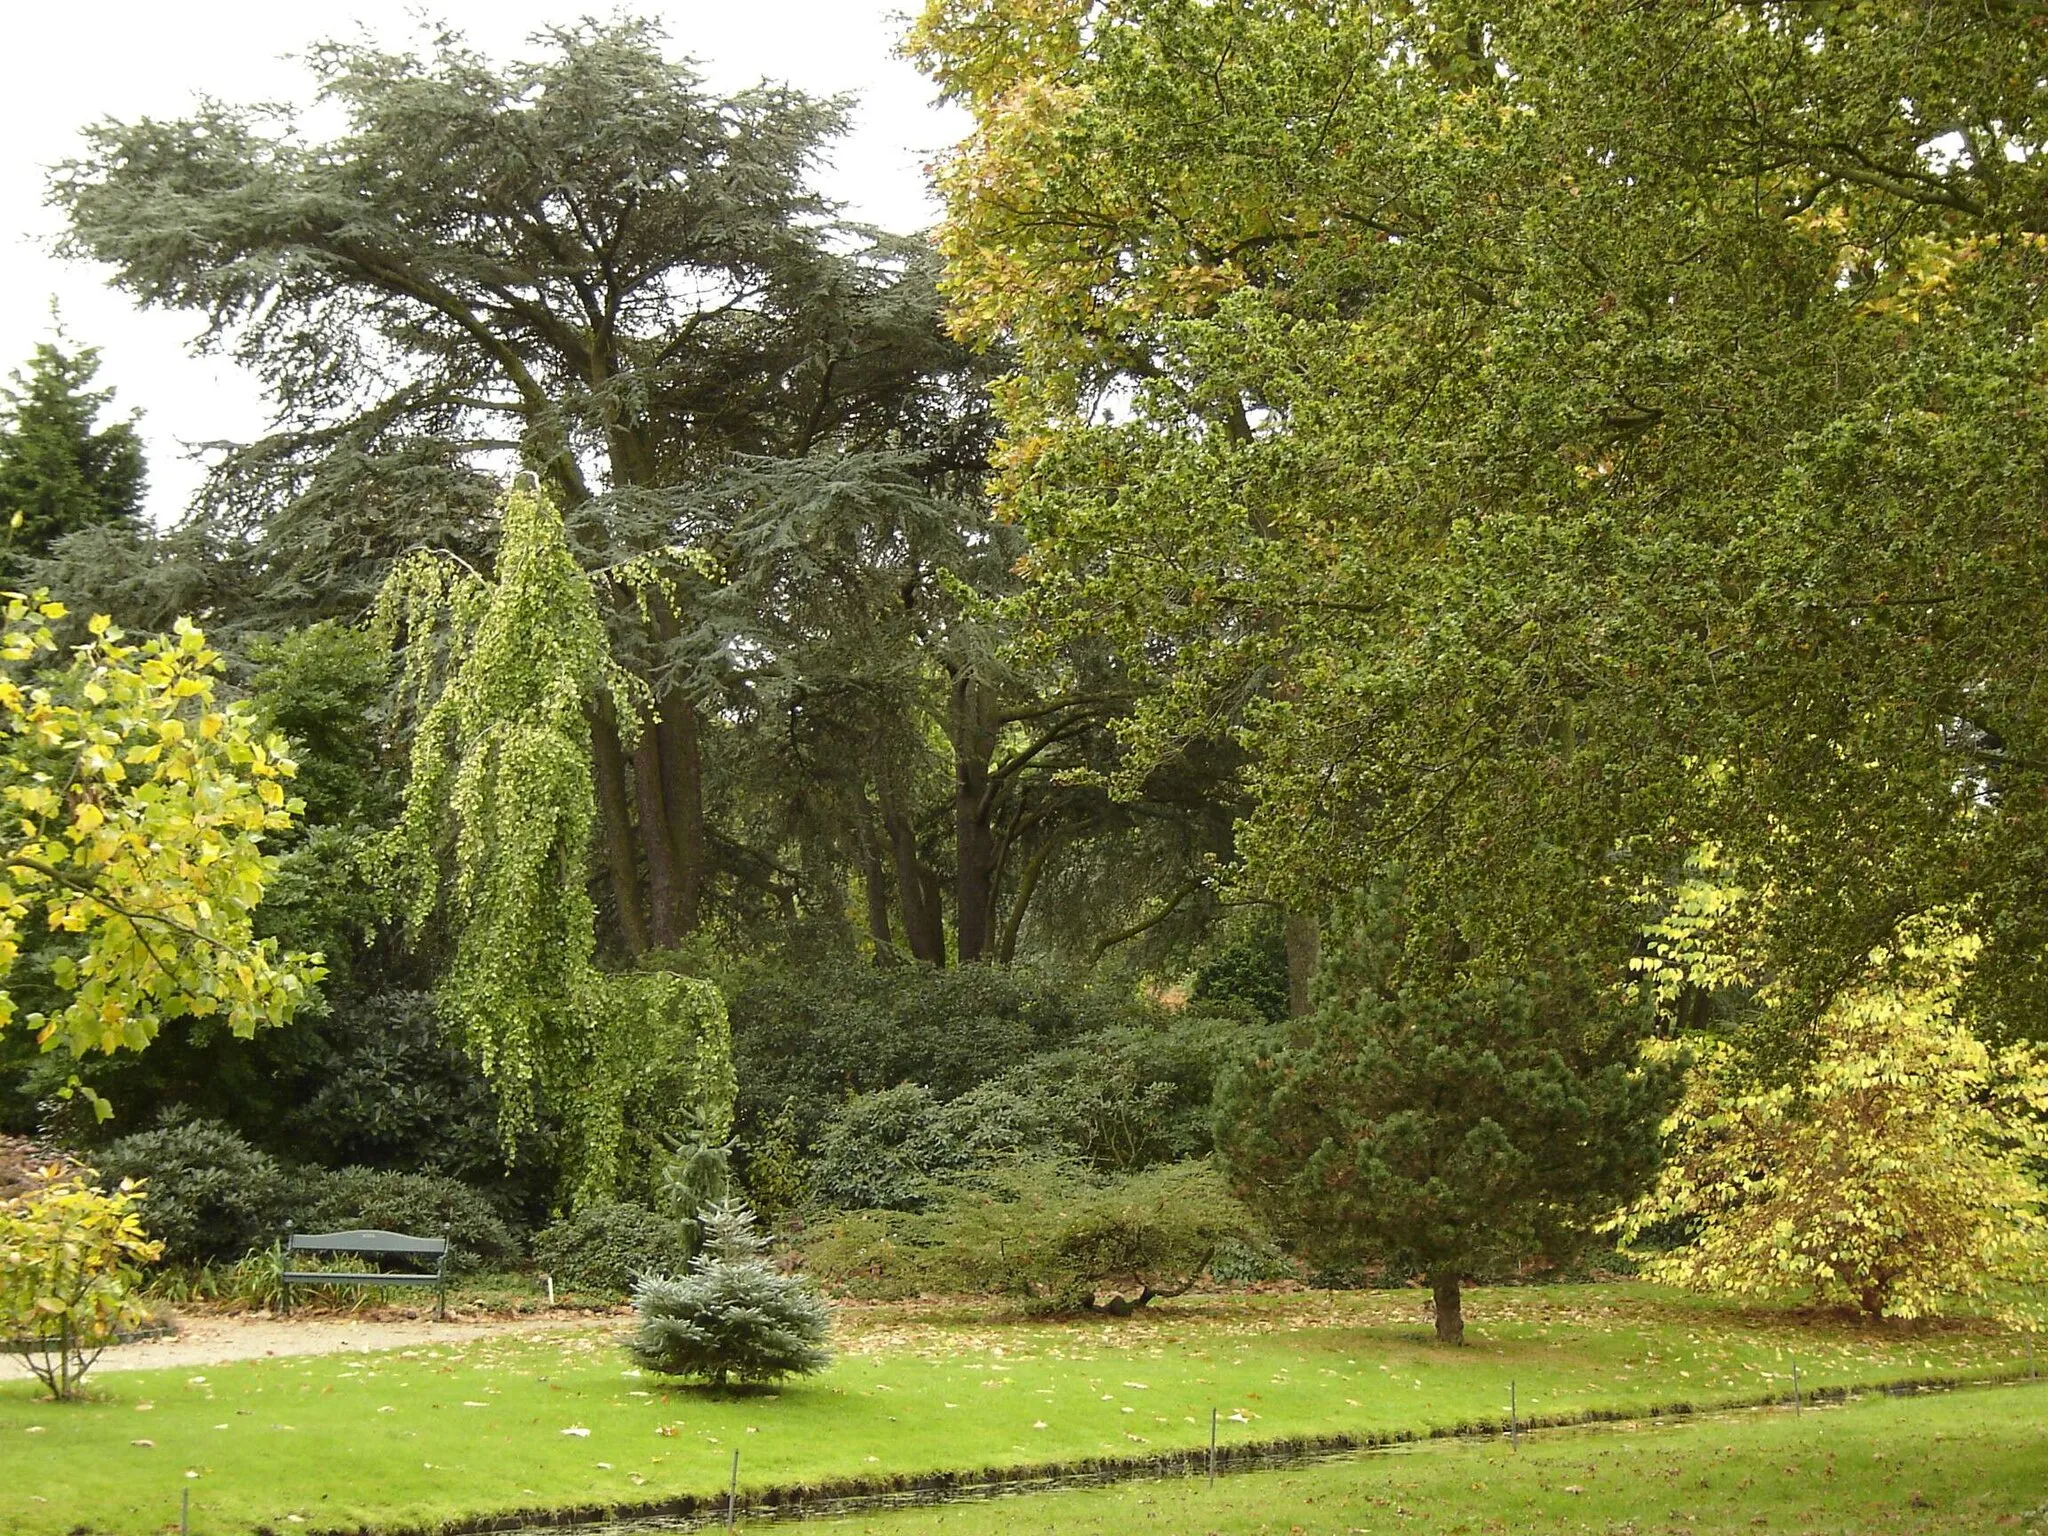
(621, 856)
(916, 891)
(664, 885)
(1450, 1307)
(973, 728)
(682, 787)
(1304, 948)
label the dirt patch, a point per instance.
(220, 1338)
(19, 1158)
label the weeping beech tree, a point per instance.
(505, 676)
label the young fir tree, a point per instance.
(1439, 1114)
(733, 1317)
(58, 474)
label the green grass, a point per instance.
(1960, 1462)
(418, 1436)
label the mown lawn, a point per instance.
(1972, 1461)
(419, 1436)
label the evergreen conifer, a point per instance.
(733, 1317)
(57, 474)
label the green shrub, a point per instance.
(209, 1195)
(71, 1259)
(806, 1037)
(1053, 1232)
(1124, 1099)
(603, 1249)
(1248, 970)
(421, 1204)
(392, 1090)
(732, 1317)
(880, 1150)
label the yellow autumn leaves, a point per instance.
(133, 813)
(1892, 1175)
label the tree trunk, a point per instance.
(664, 894)
(620, 855)
(1450, 1307)
(916, 891)
(1304, 948)
(682, 787)
(874, 879)
(1020, 902)
(973, 728)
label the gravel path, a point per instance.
(215, 1340)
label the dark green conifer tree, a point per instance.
(59, 472)
(1442, 1113)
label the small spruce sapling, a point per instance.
(733, 1317)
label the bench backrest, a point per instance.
(368, 1241)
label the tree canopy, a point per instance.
(1551, 437)
(593, 266)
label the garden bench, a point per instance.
(372, 1244)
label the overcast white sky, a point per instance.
(71, 64)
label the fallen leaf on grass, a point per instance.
(578, 1431)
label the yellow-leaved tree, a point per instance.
(133, 812)
(1893, 1175)
(71, 1260)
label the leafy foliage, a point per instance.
(732, 1317)
(1250, 968)
(207, 1195)
(389, 1090)
(501, 789)
(603, 1247)
(1897, 1174)
(1052, 1231)
(807, 1035)
(500, 785)
(1550, 438)
(1439, 1112)
(1118, 1100)
(70, 1261)
(140, 808)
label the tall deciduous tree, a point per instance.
(1553, 436)
(495, 837)
(60, 471)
